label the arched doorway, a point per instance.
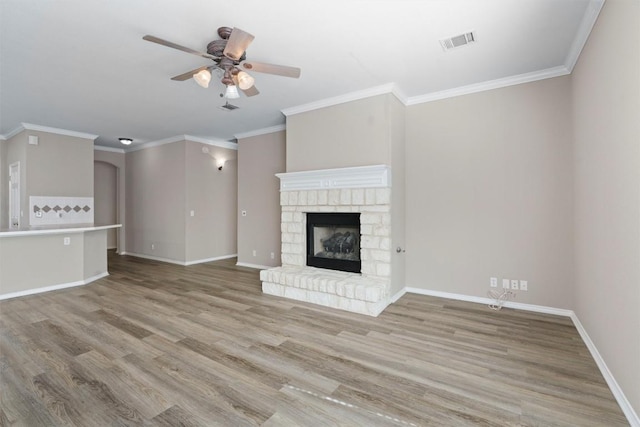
(105, 198)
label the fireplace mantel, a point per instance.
(377, 176)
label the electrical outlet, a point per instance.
(192, 213)
(524, 286)
(254, 252)
(493, 282)
(67, 241)
(273, 255)
(505, 283)
(514, 284)
(153, 246)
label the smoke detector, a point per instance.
(458, 41)
(228, 107)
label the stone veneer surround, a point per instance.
(366, 190)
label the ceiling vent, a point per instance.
(458, 41)
(228, 107)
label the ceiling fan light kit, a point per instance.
(202, 77)
(245, 81)
(228, 54)
(231, 92)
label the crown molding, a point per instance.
(258, 132)
(157, 143)
(66, 132)
(392, 88)
(588, 21)
(109, 149)
(214, 142)
(347, 97)
(490, 85)
(178, 138)
(13, 133)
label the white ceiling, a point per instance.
(82, 65)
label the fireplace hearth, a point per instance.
(333, 241)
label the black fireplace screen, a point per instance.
(333, 241)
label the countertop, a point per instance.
(55, 229)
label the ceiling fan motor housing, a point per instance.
(216, 48)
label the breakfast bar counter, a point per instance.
(41, 259)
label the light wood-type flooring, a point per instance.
(165, 345)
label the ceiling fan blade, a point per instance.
(279, 70)
(236, 45)
(189, 74)
(252, 91)
(177, 46)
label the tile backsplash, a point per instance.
(48, 210)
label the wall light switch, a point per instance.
(192, 213)
(524, 286)
(244, 213)
(67, 241)
(505, 283)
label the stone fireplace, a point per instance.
(364, 191)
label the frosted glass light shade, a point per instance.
(245, 81)
(231, 92)
(202, 77)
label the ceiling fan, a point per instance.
(228, 53)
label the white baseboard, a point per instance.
(622, 400)
(487, 301)
(154, 258)
(258, 266)
(629, 412)
(174, 261)
(218, 258)
(53, 287)
(399, 295)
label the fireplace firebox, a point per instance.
(333, 241)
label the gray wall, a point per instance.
(59, 165)
(259, 159)
(489, 192)
(155, 199)
(606, 118)
(212, 196)
(345, 135)
(397, 148)
(167, 182)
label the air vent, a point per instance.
(458, 41)
(228, 107)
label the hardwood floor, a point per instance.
(159, 344)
